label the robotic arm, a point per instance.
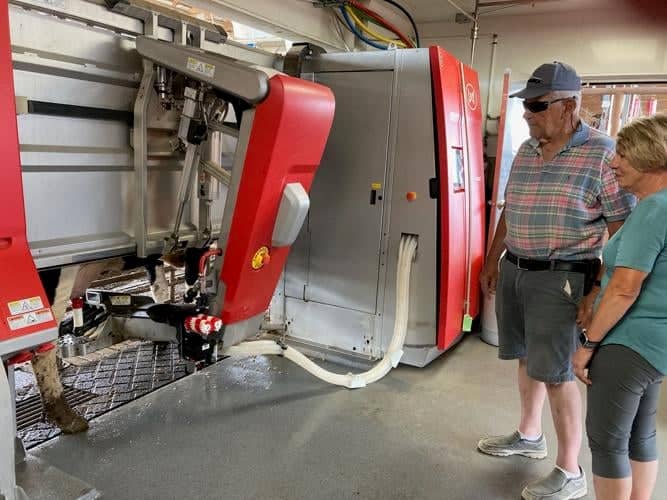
(284, 123)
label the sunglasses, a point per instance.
(539, 106)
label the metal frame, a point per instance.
(23, 342)
(140, 139)
(240, 80)
(237, 79)
(96, 14)
(59, 242)
(8, 488)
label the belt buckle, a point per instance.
(518, 264)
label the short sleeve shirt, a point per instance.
(560, 209)
(640, 245)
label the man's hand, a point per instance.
(489, 277)
(580, 362)
(585, 309)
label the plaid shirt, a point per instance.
(559, 210)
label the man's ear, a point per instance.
(571, 105)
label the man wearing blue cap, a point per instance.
(560, 200)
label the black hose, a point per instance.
(409, 16)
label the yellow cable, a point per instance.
(369, 31)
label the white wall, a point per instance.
(611, 42)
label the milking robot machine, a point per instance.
(335, 200)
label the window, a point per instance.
(608, 107)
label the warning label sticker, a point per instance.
(29, 319)
(121, 300)
(25, 305)
(201, 67)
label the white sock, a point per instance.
(568, 474)
(530, 438)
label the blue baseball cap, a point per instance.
(549, 77)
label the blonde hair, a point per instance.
(643, 142)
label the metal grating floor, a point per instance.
(112, 380)
(29, 411)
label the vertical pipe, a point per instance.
(492, 72)
(616, 110)
(209, 188)
(140, 142)
(474, 34)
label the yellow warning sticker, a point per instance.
(121, 300)
(201, 67)
(25, 305)
(376, 185)
(29, 319)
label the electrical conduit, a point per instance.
(394, 353)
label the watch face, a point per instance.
(582, 338)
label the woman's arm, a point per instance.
(621, 292)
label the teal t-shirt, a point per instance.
(640, 244)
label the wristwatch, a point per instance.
(585, 343)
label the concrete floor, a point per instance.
(265, 429)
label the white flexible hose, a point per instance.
(406, 254)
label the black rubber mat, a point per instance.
(112, 382)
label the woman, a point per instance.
(626, 341)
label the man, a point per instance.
(561, 198)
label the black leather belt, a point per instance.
(575, 266)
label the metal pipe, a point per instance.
(140, 141)
(190, 170)
(474, 34)
(500, 3)
(461, 10)
(216, 171)
(492, 71)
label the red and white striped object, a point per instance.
(203, 324)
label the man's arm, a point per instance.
(585, 309)
(614, 226)
(489, 275)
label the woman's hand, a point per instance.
(580, 362)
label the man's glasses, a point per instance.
(539, 106)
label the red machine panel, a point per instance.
(23, 305)
(477, 209)
(461, 205)
(288, 137)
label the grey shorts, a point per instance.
(537, 313)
